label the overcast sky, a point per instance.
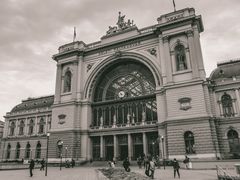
(32, 30)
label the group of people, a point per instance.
(150, 163)
(42, 163)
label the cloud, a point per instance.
(31, 32)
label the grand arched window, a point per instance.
(227, 105)
(18, 150)
(124, 94)
(180, 56)
(8, 151)
(28, 151)
(67, 81)
(233, 140)
(38, 150)
(12, 128)
(31, 126)
(189, 142)
(21, 127)
(41, 126)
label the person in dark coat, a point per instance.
(42, 165)
(126, 164)
(31, 167)
(176, 167)
(73, 163)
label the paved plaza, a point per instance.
(89, 173)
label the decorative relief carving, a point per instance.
(118, 54)
(189, 33)
(153, 51)
(185, 103)
(165, 39)
(89, 66)
(61, 118)
(175, 17)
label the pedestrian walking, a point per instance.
(31, 167)
(126, 164)
(186, 162)
(151, 168)
(176, 167)
(139, 162)
(42, 165)
(147, 166)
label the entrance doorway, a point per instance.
(137, 145)
(123, 152)
(109, 150)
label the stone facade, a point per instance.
(141, 91)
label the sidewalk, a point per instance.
(89, 173)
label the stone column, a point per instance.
(129, 146)
(26, 126)
(74, 80)
(101, 147)
(167, 59)
(46, 124)
(36, 125)
(79, 82)
(145, 151)
(161, 105)
(238, 100)
(58, 84)
(115, 146)
(192, 50)
(17, 128)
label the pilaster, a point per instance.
(58, 84)
(167, 58)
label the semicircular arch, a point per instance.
(100, 67)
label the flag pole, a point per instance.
(174, 5)
(74, 34)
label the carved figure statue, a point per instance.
(114, 119)
(120, 22)
(101, 121)
(181, 61)
(143, 116)
(112, 29)
(128, 118)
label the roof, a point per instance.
(34, 103)
(226, 69)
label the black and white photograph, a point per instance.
(120, 89)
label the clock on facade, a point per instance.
(121, 94)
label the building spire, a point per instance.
(74, 34)
(174, 5)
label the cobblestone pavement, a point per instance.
(167, 174)
(88, 173)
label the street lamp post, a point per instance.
(60, 145)
(48, 134)
(66, 149)
(162, 138)
(153, 149)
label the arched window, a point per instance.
(21, 127)
(8, 151)
(31, 126)
(189, 142)
(233, 141)
(67, 81)
(38, 150)
(180, 57)
(227, 105)
(28, 151)
(18, 150)
(12, 128)
(41, 126)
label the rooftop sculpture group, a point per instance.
(121, 25)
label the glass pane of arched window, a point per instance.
(28, 151)
(38, 151)
(67, 81)
(21, 127)
(227, 105)
(41, 126)
(233, 141)
(18, 150)
(180, 57)
(189, 142)
(12, 128)
(8, 151)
